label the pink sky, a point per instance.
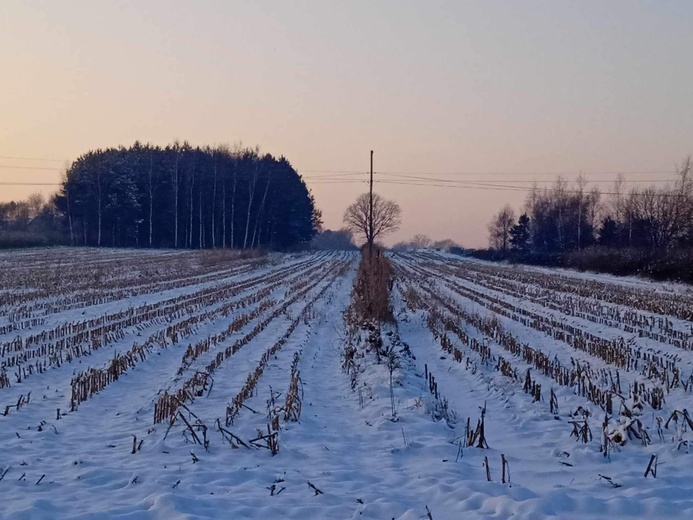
(513, 88)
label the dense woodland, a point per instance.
(184, 197)
(624, 231)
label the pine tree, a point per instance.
(520, 235)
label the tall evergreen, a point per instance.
(186, 197)
(520, 236)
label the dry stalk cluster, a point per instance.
(598, 386)
(292, 406)
(476, 437)
(440, 409)
(350, 364)
(168, 402)
(237, 403)
(528, 283)
(505, 470)
(93, 380)
(139, 316)
(586, 306)
(86, 384)
(269, 440)
(371, 294)
(54, 347)
(193, 427)
(21, 321)
(23, 400)
(615, 352)
(4, 380)
(202, 346)
(681, 423)
(581, 428)
(45, 283)
(294, 396)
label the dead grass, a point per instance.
(372, 288)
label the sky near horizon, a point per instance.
(500, 93)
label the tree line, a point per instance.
(561, 220)
(334, 240)
(178, 196)
(421, 241)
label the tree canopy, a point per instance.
(186, 197)
(387, 217)
(567, 217)
(500, 227)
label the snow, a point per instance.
(361, 461)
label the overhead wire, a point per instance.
(31, 159)
(407, 178)
(481, 173)
(482, 186)
(30, 184)
(10, 167)
(451, 181)
(501, 187)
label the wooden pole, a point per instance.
(370, 210)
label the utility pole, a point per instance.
(370, 211)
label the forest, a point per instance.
(641, 230)
(180, 196)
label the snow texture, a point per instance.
(348, 456)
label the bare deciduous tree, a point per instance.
(36, 202)
(499, 228)
(387, 217)
(446, 243)
(421, 241)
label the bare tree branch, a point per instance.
(387, 216)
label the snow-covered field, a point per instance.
(171, 385)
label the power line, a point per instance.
(350, 175)
(32, 159)
(591, 181)
(328, 173)
(331, 173)
(479, 186)
(513, 180)
(30, 184)
(501, 187)
(343, 177)
(596, 172)
(29, 168)
(493, 183)
(479, 173)
(338, 182)
(371, 237)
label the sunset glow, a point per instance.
(507, 91)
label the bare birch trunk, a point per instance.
(223, 215)
(233, 208)
(259, 213)
(214, 200)
(151, 197)
(251, 196)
